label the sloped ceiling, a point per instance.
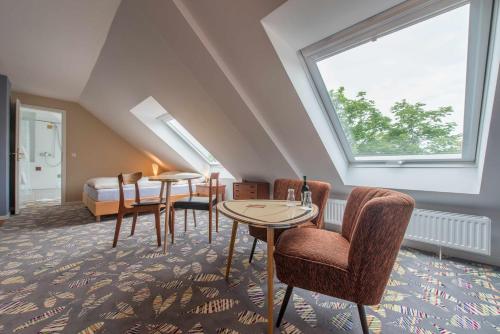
(151, 50)
(49, 48)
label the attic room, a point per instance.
(249, 166)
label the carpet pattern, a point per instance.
(59, 274)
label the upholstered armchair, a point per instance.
(320, 192)
(355, 264)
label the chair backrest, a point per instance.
(124, 179)
(320, 192)
(375, 221)
(213, 177)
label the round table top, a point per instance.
(175, 177)
(267, 213)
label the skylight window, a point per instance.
(407, 84)
(177, 138)
(188, 138)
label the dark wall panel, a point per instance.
(4, 145)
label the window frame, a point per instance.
(406, 14)
(166, 118)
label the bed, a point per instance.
(101, 195)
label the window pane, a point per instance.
(402, 96)
(188, 138)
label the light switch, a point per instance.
(73, 155)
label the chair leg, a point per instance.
(216, 220)
(194, 217)
(172, 224)
(134, 221)
(185, 220)
(119, 218)
(158, 227)
(362, 318)
(284, 304)
(253, 250)
(209, 226)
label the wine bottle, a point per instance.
(305, 188)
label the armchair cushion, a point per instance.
(314, 259)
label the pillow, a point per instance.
(103, 182)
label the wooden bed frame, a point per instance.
(102, 208)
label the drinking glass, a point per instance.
(290, 198)
(307, 199)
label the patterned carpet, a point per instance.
(59, 274)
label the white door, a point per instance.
(18, 155)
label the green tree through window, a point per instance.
(410, 129)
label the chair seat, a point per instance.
(194, 202)
(261, 233)
(302, 254)
(146, 203)
(320, 246)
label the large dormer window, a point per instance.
(406, 86)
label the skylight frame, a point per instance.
(406, 14)
(188, 138)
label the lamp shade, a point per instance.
(155, 169)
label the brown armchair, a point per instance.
(320, 192)
(355, 264)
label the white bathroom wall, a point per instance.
(41, 141)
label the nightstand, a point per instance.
(250, 190)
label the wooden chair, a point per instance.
(199, 203)
(355, 264)
(320, 192)
(136, 207)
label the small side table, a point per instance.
(202, 189)
(168, 179)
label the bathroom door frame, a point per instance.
(63, 148)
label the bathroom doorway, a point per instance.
(40, 156)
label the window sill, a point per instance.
(414, 165)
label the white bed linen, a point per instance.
(113, 194)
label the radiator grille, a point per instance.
(446, 229)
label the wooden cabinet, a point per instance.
(251, 190)
(202, 189)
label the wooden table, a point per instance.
(266, 214)
(168, 179)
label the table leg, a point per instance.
(190, 185)
(270, 279)
(231, 249)
(167, 216)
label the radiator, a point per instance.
(444, 229)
